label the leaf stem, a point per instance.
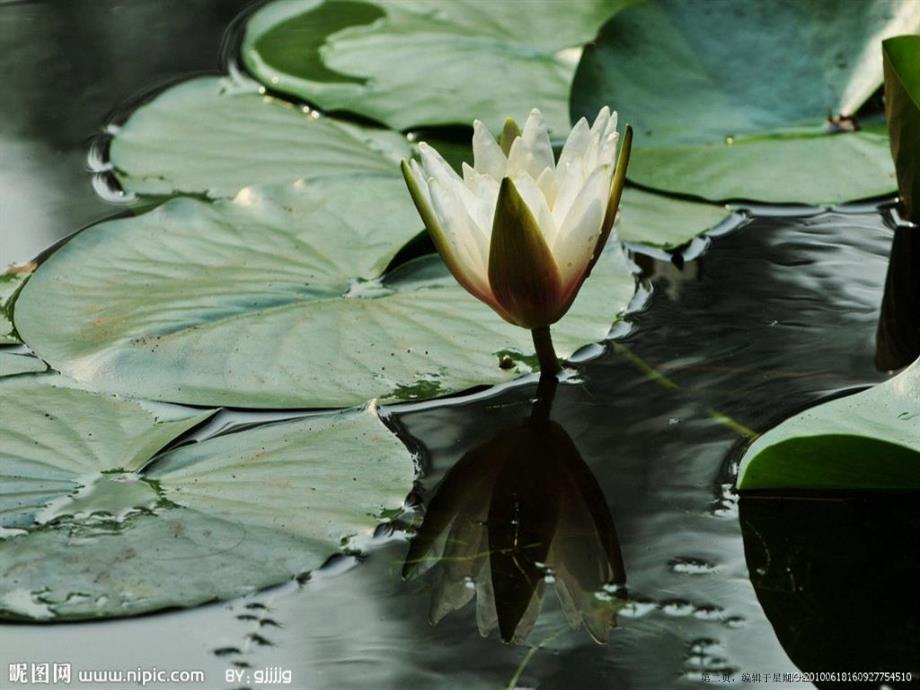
(546, 354)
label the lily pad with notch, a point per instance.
(747, 116)
(410, 63)
(96, 524)
(215, 136)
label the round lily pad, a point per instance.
(865, 441)
(275, 299)
(747, 116)
(92, 527)
(408, 63)
(215, 136)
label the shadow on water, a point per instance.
(837, 579)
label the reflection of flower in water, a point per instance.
(515, 513)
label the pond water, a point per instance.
(770, 318)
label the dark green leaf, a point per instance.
(902, 110)
(746, 116)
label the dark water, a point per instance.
(66, 65)
(771, 318)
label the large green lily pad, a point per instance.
(215, 136)
(746, 116)
(272, 299)
(92, 528)
(408, 63)
(902, 110)
(660, 221)
(865, 441)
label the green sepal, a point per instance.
(522, 271)
(510, 132)
(616, 188)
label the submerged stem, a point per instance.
(546, 354)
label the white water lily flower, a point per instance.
(519, 230)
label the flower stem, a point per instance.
(543, 342)
(543, 403)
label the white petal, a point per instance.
(590, 158)
(585, 150)
(488, 198)
(608, 152)
(466, 238)
(468, 172)
(603, 140)
(569, 183)
(532, 151)
(612, 123)
(488, 157)
(578, 234)
(577, 143)
(599, 128)
(548, 185)
(536, 202)
(435, 166)
(484, 189)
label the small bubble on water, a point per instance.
(692, 566)
(637, 609)
(705, 645)
(677, 608)
(708, 613)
